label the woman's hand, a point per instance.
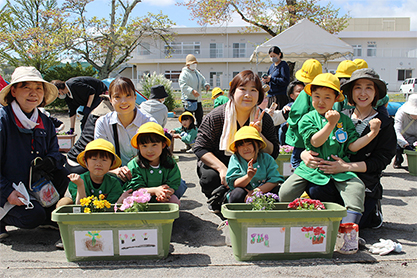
(257, 121)
(195, 93)
(251, 171)
(124, 195)
(310, 159)
(75, 178)
(266, 79)
(13, 198)
(334, 167)
(375, 125)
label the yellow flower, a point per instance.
(87, 210)
(107, 204)
(85, 202)
(101, 196)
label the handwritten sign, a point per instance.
(138, 242)
(308, 239)
(93, 243)
(265, 240)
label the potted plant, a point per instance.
(97, 230)
(283, 160)
(412, 160)
(300, 230)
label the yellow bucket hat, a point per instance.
(310, 69)
(361, 63)
(345, 69)
(149, 127)
(186, 113)
(247, 132)
(215, 92)
(100, 145)
(327, 80)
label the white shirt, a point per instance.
(103, 129)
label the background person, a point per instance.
(154, 107)
(218, 128)
(278, 78)
(219, 98)
(405, 128)
(80, 91)
(192, 82)
(26, 134)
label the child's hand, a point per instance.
(75, 178)
(124, 196)
(176, 136)
(124, 173)
(163, 193)
(257, 121)
(332, 117)
(251, 171)
(375, 125)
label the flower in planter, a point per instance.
(286, 149)
(260, 201)
(415, 145)
(138, 201)
(306, 204)
(94, 204)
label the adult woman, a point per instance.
(119, 126)
(25, 134)
(405, 128)
(278, 78)
(363, 90)
(217, 132)
(192, 83)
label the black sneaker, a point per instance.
(377, 219)
(214, 208)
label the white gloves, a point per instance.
(383, 247)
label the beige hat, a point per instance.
(27, 74)
(190, 59)
(410, 107)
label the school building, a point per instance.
(387, 44)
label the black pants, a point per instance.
(198, 113)
(209, 178)
(24, 218)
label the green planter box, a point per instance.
(282, 234)
(284, 165)
(412, 162)
(116, 236)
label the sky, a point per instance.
(181, 16)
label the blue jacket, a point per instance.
(19, 146)
(280, 78)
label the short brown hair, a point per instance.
(243, 78)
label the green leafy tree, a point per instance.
(28, 33)
(158, 79)
(271, 16)
(106, 43)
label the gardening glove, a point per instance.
(217, 195)
(384, 247)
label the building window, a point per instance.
(183, 48)
(404, 74)
(215, 76)
(216, 50)
(371, 51)
(357, 50)
(239, 50)
(234, 74)
(172, 75)
(144, 49)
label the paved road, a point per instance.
(198, 249)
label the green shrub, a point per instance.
(158, 79)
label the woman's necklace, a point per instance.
(359, 118)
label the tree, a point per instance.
(269, 15)
(107, 43)
(28, 33)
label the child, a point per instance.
(294, 89)
(98, 157)
(187, 132)
(327, 132)
(219, 98)
(154, 168)
(154, 106)
(250, 169)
